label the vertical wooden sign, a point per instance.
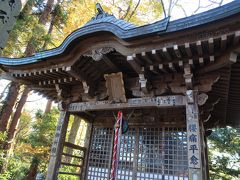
(193, 136)
(9, 10)
(57, 146)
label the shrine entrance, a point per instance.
(145, 153)
(181, 79)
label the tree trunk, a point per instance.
(49, 32)
(4, 91)
(48, 106)
(33, 169)
(72, 136)
(43, 21)
(8, 106)
(15, 120)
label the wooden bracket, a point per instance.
(88, 88)
(228, 58)
(202, 98)
(62, 106)
(85, 87)
(62, 92)
(202, 83)
(188, 76)
(141, 73)
(143, 83)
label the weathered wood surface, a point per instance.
(158, 102)
(57, 146)
(115, 87)
(193, 136)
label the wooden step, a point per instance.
(73, 156)
(68, 173)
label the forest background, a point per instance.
(27, 133)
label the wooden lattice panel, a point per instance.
(162, 154)
(100, 154)
(126, 156)
(146, 153)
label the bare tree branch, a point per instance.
(126, 13)
(138, 3)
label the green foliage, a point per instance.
(224, 155)
(60, 15)
(67, 16)
(17, 163)
(2, 152)
(43, 129)
(32, 144)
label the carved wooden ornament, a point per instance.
(115, 87)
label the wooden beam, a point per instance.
(236, 37)
(201, 61)
(68, 173)
(199, 48)
(74, 146)
(55, 81)
(73, 156)
(171, 66)
(74, 74)
(180, 64)
(146, 58)
(211, 59)
(110, 63)
(162, 68)
(136, 67)
(188, 49)
(153, 69)
(191, 63)
(210, 45)
(141, 73)
(223, 42)
(9, 77)
(177, 51)
(151, 102)
(137, 59)
(227, 58)
(166, 54)
(156, 55)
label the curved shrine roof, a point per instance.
(126, 31)
(208, 42)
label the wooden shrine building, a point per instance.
(173, 81)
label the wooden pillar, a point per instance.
(87, 145)
(204, 153)
(194, 137)
(57, 146)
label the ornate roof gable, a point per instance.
(103, 16)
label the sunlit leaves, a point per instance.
(224, 153)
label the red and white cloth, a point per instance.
(116, 147)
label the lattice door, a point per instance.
(100, 154)
(145, 154)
